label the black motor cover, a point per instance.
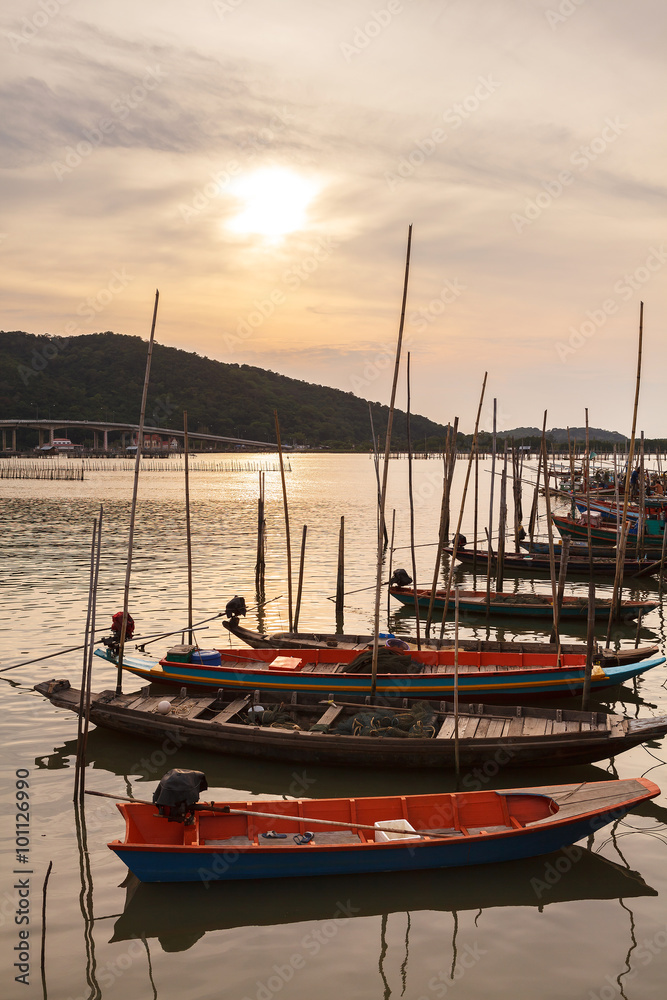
(236, 607)
(178, 792)
(400, 578)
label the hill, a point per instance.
(559, 434)
(100, 377)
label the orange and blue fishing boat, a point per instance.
(482, 676)
(192, 842)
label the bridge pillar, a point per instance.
(4, 439)
(40, 435)
(13, 438)
(95, 442)
(106, 439)
(50, 435)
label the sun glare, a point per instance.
(275, 201)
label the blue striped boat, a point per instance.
(482, 676)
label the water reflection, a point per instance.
(179, 914)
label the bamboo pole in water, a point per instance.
(376, 463)
(133, 509)
(502, 525)
(287, 534)
(489, 554)
(476, 518)
(461, 509)
(412, 509)
(457, 763)
(260, 564)
(385, 469)
(340, 578)
(188, 536)
(299, 587)
(89, 667)
(82, 702)
(564, 557)
(590, 630)
(391, 559)
(615, 609)
(552, 561)
(450, 459)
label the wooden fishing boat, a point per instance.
(521, 605)
(424, 674)
(608, 536)
(580, 550)
(529, 562)
(335, 640)
(416, 736)
(391, 833)
(180, 914)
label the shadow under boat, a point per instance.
(179, 914)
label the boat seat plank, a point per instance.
(469, 726)
(240, 841)
(534, 727)
(495, 729)
(228, 713)
(516, 726)
(446, 731)
(199, 706)
(329, 717)
(477, 728)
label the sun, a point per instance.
(275, 202)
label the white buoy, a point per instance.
(164, 707)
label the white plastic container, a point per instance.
(403, 830)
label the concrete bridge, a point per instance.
(47, 428)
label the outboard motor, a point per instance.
(399, 578)
(236, 607)
(113, 640)
(178, 793)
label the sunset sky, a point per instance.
(259, 162)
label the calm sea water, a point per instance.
(589, 925)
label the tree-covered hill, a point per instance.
(100, 377)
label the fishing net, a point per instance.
(417, 721)
(388, 663)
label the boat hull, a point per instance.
(512, 683)
(571, 820)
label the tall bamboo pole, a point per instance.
(502, 525)
(340, 578)
(614, 611)
(288, 546)
(133, 509)
(461, 509)
(299, 587)
(412, 509)
(188, 535)
(450, 461)
(552, 561)
(385, 469)
(489, 554)
(476, 513)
